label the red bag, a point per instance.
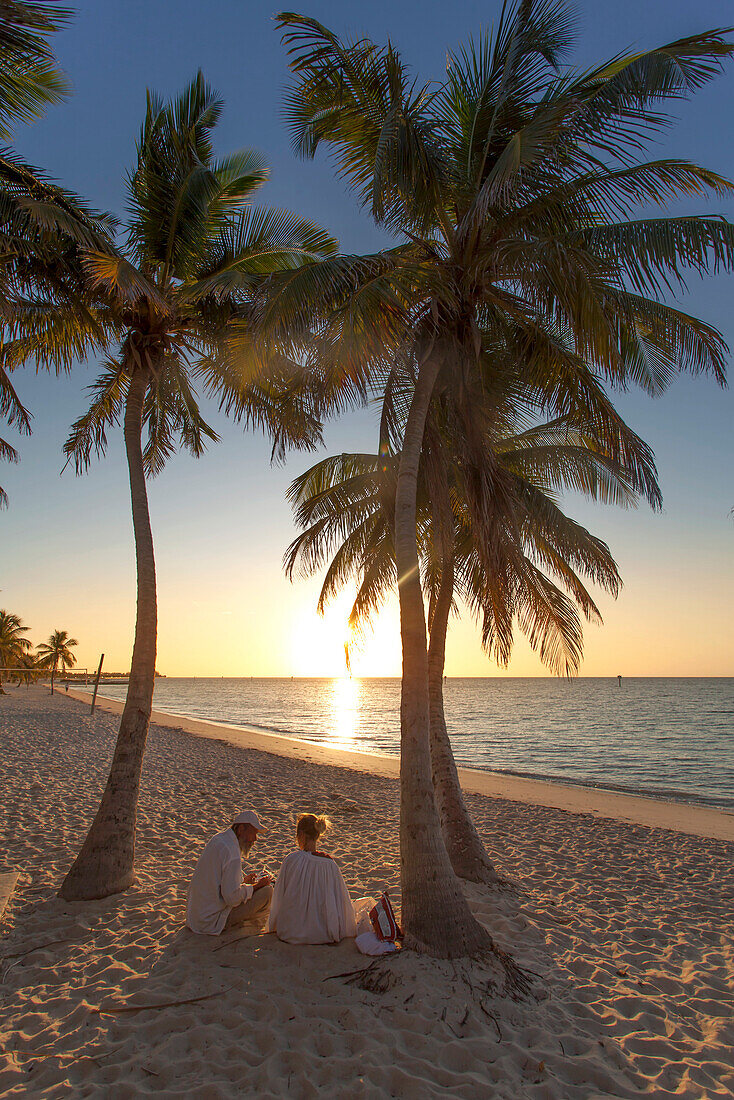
(383, 920)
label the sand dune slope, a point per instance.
(629, 929)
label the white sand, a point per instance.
(629, 926)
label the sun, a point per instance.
(319, 644)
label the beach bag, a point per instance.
(369, 944)
(362, 908)
(383, 920)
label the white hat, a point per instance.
(249, 817)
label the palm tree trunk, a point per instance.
(105, 864)
(468, 856)
(53, 674)
(436, 917)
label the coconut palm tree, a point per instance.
(41, 224)
(13, 645)
(56, 651)
(346, 506)
(510, 190)
(496, 532)
(27, 671)
(533, 539)
(174, 307)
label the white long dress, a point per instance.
(311, 903)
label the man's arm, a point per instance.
(257, 883)
(234, 890)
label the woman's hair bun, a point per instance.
(312, 826)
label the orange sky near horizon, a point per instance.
(221, 526)
(265, 626)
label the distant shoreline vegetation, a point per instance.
(23, 663)
(19, 664)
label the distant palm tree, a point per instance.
(176, 307)
(41, 225)
(13, 646)
(510, 189)
(27, 671)
(56, 651)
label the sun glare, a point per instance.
(345, 704)
(324, 645)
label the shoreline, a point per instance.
(680, 817)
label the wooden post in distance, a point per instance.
(96, 682)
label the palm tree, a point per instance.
(494, 533)
(533, 538)
(27, 671)
(174, 307)
(346, 506)
(512, 186)
(13, 646)
(41, 224)
(57, 650)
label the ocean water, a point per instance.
(669, 738)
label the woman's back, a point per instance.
(311, 903)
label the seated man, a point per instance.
(219, 896)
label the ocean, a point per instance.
(667, 738)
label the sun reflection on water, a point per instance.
(345, 703)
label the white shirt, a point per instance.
(311, 903)
(216, 885)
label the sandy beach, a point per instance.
(624, 911)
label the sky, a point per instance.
(221, 524)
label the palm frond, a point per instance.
(550, 622)
(29, 77)
(171, 416)
(125, 281)
(239, 175)
(88, 433)
(360, 99)
(260, 242)
(552, 537)
(655, 254)
(11, 407)
(378, 580)
(567, 467)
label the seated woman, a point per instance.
(311, 903)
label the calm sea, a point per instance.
(671, 738)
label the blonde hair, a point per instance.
(311, 826)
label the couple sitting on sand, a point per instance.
(309, 903)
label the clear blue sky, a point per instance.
(221, 524)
